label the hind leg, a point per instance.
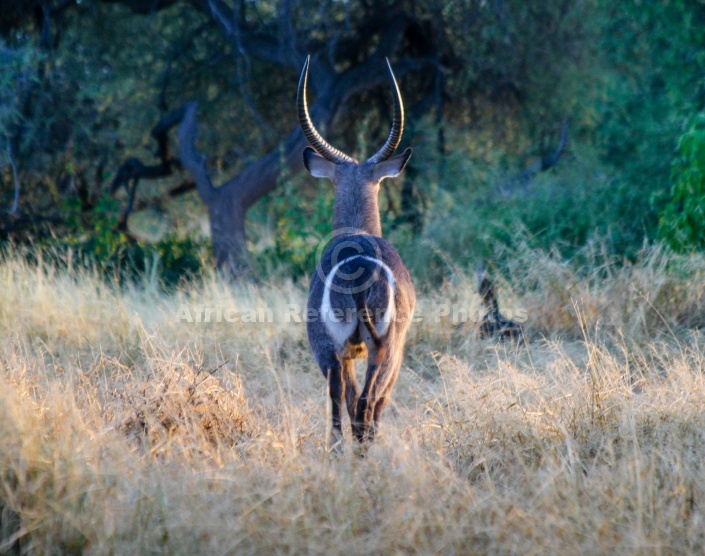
(352, 393)
(332, 368)
(385, 388)
(382, 403)
(377, 376)
(336, 389)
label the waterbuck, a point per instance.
(361, 298)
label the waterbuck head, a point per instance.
(357, 184)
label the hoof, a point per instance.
(360, 449)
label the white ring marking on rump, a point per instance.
(339, 329)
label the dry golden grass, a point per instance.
(124, 431)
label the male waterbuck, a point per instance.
(361, 298)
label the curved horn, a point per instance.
(317, 142)
(397, 123)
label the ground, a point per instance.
(127, 429)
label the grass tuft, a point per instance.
(126, 430)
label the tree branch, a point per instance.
(554, 157)
(259, 45)
(520, 182)
(144, 7)
(228, 204)
(16, 202)
(133, 169)
(193, 161)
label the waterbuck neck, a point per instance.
(356, 204)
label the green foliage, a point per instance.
(638, 74)
(95, 240)
(652, 54)
(682, 221)
(627, 73)
(70, 110)
(297, 224)
(17, 75)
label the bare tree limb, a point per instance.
(553, 158)
(193, 161)
(184, 187)
(243, 75)
(228, 203)
(259, 45)
(519, 183)
(133, 170)
(16, 202)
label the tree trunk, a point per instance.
(227, 222)
(228, 204)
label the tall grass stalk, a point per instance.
(124, 430)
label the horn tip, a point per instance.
(391, 72)
(304, 75)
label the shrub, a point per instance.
(681, 221)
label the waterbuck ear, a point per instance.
(392, 167)
(318, 166)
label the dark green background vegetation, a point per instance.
(83, 83)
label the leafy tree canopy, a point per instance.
(489, 87)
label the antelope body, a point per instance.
(361, 298)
